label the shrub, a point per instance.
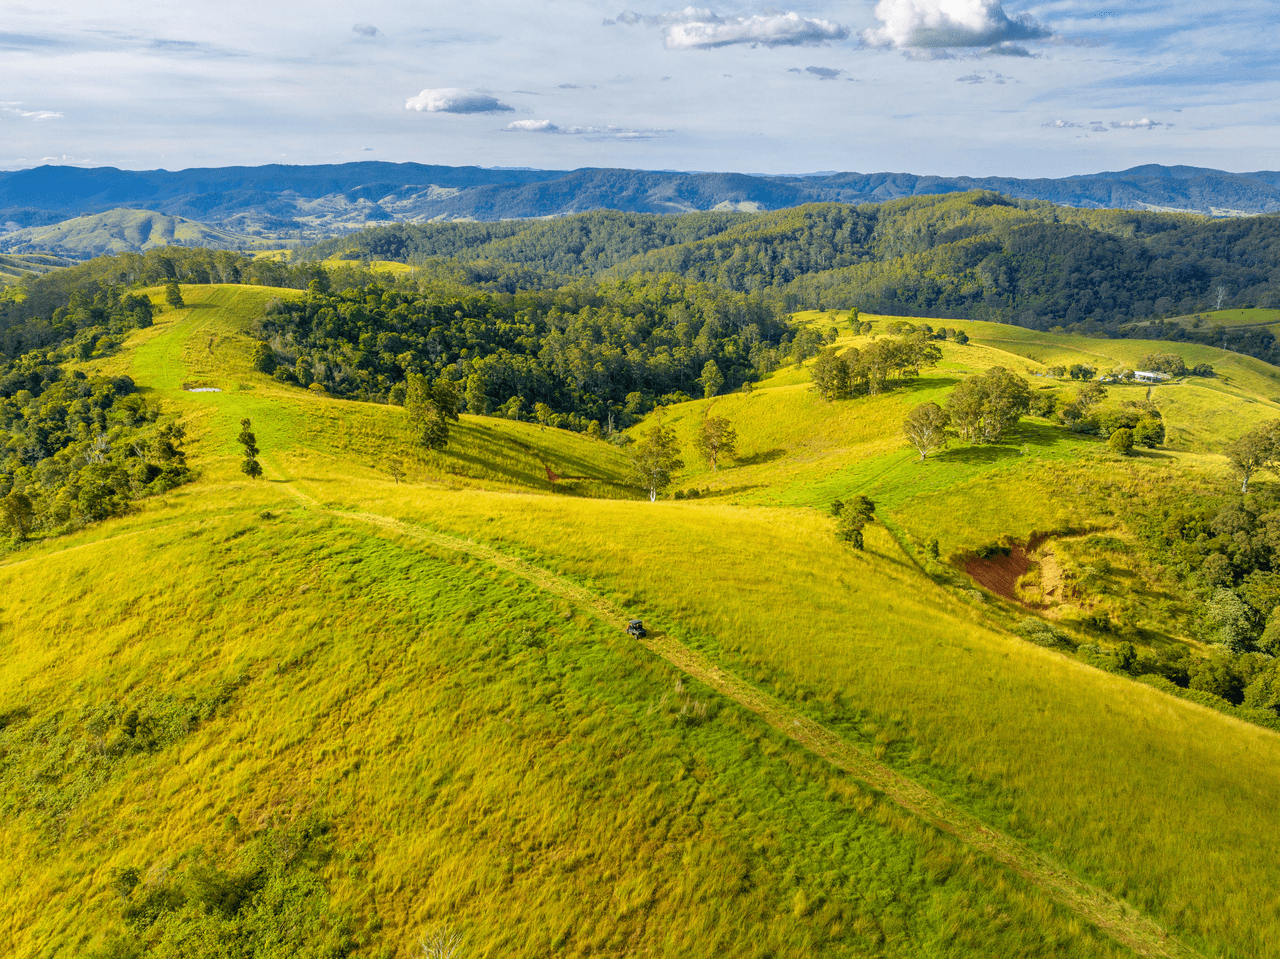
(1121, 441)
(1045, 634)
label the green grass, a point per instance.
(489, 759)
(495, 759)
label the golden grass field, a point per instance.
(494, 758)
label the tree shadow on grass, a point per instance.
(1028, 434)
(923, 383)
(983, 454)
(755, 459)
(725, 491)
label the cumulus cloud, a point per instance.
(933, 24)
(365, 30)
(695, 28)
(1143, 124)
(1064, 125)
(14, 108)
(455, 100)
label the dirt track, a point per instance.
(1118, 919)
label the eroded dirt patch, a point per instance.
(1000, 573)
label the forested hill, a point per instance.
(977, 255)
(323, 200)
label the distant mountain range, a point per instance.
(297, 202)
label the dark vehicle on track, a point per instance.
(636, 629)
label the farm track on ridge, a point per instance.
(1116, 918)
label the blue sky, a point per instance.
(948, 87)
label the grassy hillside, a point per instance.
(120, 231)
(383, 707)
(15, 267)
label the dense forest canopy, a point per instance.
(568, 246)
(976, 255)
(602, 351)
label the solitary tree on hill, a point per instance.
(927, 428)
(250, 467)
(543, 413)
(716, 438)
(852, 517)
(173, 295)
(1255, 451)
(429, 408)
(655, 458)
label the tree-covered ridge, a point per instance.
(975, 255)
(593, 351)
(568, 246)
(93, 299)
(78, 448)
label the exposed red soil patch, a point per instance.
(1000, 573)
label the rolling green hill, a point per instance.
(383, 693)
(15, 267)
(120, 231)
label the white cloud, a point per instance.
(778, 29)
(365, 29)
(1064, 125)
(532, 126)
(13, 108)
(455, 100)
(1143, 124)
(931, 24)
(696, 28)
